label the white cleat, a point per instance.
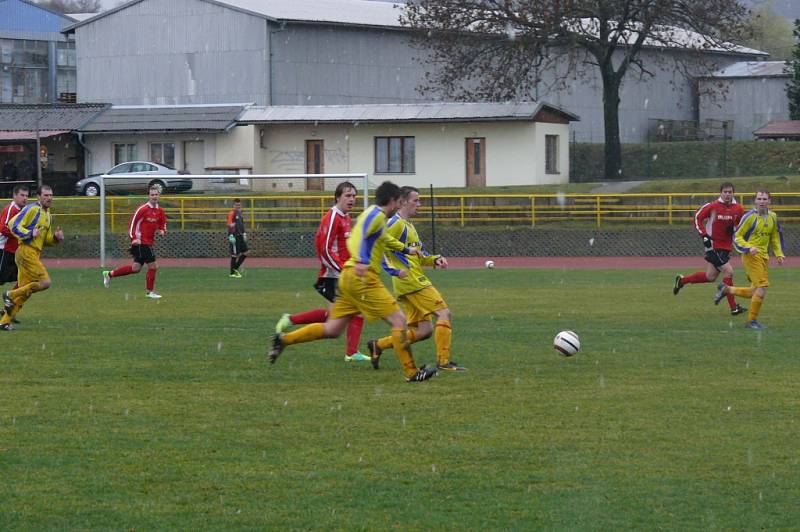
(106, 278)
(153, 295)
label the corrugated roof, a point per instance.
(752, 69)
(29, 135)
(143, 118)
(48, 116)
(779, 129)
(416, 112)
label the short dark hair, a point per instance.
(154, 187)
(45, 187)
(763, 191)
(725, 185)
(20, 188)
(237, 200)
(386, 192)
(341, 187)
(405, 191)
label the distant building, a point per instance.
(779, 130)
(37, 61)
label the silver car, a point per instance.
(137, 177)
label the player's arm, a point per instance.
(700, 218)
(163, 223)
(133, 225)
(231, 223)
(743, 231)
(23, 224)
(331, 233)
(4, 229)
(777, 241)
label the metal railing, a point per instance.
(463, 210)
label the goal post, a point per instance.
(244, 185)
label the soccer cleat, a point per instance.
(753, 324)
(6, 327)
(720, 293)
(8, 303)
(106, 278)
(153, 295)
(276, 349)
(374, 353)
(424, 373)
(738, 310)
(451, 366)
(356, 357)
(284, 323)
(235, 274)
(677, 286)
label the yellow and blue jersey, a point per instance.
(404, 231)
(369, 240)
(755, 231)
(31, 217)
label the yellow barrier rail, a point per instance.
(265, 212)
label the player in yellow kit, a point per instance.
(32, 226)
(421, 301)
(361, 290)
(757, 231)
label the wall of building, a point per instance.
(750, 103)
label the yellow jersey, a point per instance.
(756, 231)
(31, 217)
(368, 240)
(404, 231)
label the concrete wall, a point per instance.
(751, 103)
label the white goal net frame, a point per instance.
(355, 178)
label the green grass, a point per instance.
(118, 412)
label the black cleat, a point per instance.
(677, 286)
(6, 327)
(738, 310)
(8, 303)
(720, 293)
(424, 373)
(451, 366)
(276, 349)
(374, 353)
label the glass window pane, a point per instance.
(169, 154)
(381, 155)
(395, 151)
(409, 155)
(156, 153)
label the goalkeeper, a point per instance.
(237, 238)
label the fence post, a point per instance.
(462, 211)
(669, 208)
(533, 211)
(597, 206)
(183, 216)
(252, 213)
(113, 215)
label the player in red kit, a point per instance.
(146, 220)
(716, 221)
(331, 245)
(8, 242)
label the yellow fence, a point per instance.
(265, 212)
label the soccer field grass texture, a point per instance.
(121, 412)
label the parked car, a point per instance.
(135, 176)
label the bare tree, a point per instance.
(497, 49)
(72, 6)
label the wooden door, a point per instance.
(315, 163)
(476, 162)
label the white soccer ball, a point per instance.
(489, 264)
(567, 343)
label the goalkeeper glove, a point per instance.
(231, 239)
(707, 242)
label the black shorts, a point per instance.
(327, 287)
(8, 267)
(238, 247)
(142, 254)
(717, 257)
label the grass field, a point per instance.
(118, 412)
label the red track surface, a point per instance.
(577, 263)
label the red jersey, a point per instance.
(718, 220)
(145, 222)
(331, 242)
(8, 242)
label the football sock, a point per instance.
(119, 272)
(309, 333)
(240, 261)
(387, 342)
(150, 279)
(233, 265)
(731, 300)
(442, 337)
(318, 315)
(402, 348)
(741, 291)
(354, 334)
(755, 307)
(695, 278)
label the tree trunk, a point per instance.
(613, 150)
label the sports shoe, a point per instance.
(6, 327)
(451, 366)
(235, 274)
(738, 310)
(424, 373)
(357, 357)
(153, 295)
(284, 323)
(276, 349)
(374, 353)
(106, 278)
(3, 312)
(753, 324)
(720, 293)
(677, 286)
(8, 303)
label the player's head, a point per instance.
(237, 204)
(154, 193)
(20, 195)
(726, 192)
(409, 201)
(345, 195)
(45, 196)
(762, 199)
(386, 196)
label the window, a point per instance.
(163, 153)
(551, 154)
(124, 153)
(394, 155)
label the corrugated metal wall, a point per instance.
(751, 103)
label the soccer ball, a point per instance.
(489, 264)
(567, 343)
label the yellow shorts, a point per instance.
(419, 306)
(29, 266)
(757, 269)
(362, 295)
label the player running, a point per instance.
(8, 242)
(237, 239)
